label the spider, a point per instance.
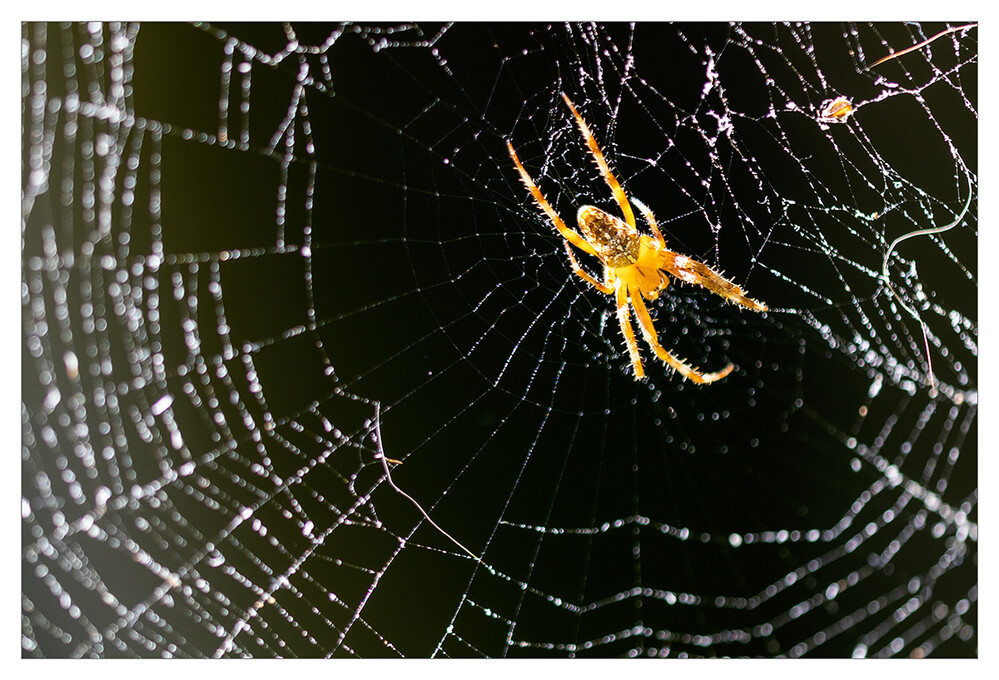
(636, 265)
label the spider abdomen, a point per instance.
(616, 243)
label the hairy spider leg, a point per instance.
(651, 337)
(583, 274)
(623, 317)
(539, 198)
(690, 270)
(650, 219)
(598, 156)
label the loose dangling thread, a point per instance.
(912, 312)
(388, 477)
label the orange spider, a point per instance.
(633, 262)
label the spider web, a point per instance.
(307, 374)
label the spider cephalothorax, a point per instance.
(636, 265)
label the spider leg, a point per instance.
(583, 274)
(651, 337)
(651, 220)
(623, 317)
(539, 198)
(692, 271)
(598, 156)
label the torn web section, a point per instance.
(872, 187)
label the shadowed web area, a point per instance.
(306, 372)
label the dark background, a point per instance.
(385, 266)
